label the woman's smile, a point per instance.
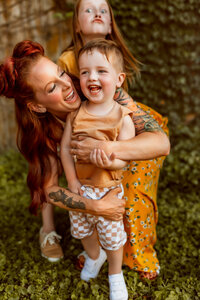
(53, 88)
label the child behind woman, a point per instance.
(101, 73)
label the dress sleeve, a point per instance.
(67, 62)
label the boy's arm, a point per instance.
(102, 160)
(127, 132)
(67, 160)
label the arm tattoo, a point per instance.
(122, 97)
(143, 121)
(60, 196)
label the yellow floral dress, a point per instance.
(140, 182)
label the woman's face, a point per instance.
(53, 88)
(94, 19)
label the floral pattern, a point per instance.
(140, 181)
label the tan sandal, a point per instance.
(50, 246)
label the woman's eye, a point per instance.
(62, 73)
(88, 10)
(52, 88)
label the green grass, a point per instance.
(24, 274)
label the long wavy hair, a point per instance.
(38, 133)
(130, 62)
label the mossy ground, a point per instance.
(24, 274)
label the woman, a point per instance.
(43, 95)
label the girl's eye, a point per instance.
(102, 71)
(88, 10)
(103, 11)
(52, 89)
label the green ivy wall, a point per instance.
(165, 36)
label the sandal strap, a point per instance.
(51, 237)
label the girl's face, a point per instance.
(94, 19)
(53, 88)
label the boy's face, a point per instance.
(99, 77)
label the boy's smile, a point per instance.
(99, 77)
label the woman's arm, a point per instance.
(110, 207)
(145, 146)
(150, 141)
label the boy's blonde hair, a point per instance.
(131, 64)
(107, 48)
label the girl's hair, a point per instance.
(38, 133)
(130, 62)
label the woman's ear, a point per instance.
(36, 107)
(121, 78)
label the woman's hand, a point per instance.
(82, 147)
(110, 206)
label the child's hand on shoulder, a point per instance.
(99, 158)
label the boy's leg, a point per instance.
(96, 257)
(91, 245)
(114, 261)
(112, 236)
(118, 290)
(83, 228)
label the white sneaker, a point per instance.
(92, 267)
(118, 290)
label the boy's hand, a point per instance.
(99, 158)
(75, 187)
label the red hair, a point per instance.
(38, 134)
